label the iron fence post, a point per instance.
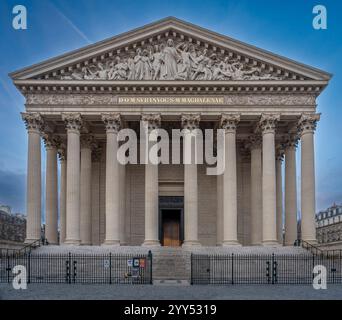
(150, 258)
(232, 268)
(69, 269)
(8, 267)
(29, 267)
(110, 268)
(191, 265)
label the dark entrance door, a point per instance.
(171, 227)
(171, 221)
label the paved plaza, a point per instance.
(172, 292)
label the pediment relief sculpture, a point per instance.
(170, 60)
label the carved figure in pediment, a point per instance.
(186, 60)
(130, 67)
(138, 65)
(118, 70)
(147, 66)
(157, 58)
(171, 58)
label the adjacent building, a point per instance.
(329, 225)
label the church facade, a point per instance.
(171, 75)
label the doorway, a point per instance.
(171, 227)
(171, 221)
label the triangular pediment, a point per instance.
(170, 49)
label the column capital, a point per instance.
(153, 120)
(33, 121)
(291, 141)
(50, 140)
(280, 152)
(73, 121)
(87, 141)
(254, 142)
(112, 122)
(190, 121)
(96, 154)
(229, 122)
(307, 123)
(268, 122)
(62, 152)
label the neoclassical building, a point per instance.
(329, 225)
(172, 75)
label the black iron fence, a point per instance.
(79, 268)
(262, 269)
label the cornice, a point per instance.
(174, 86)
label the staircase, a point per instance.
(171, 264)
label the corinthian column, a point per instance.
(229, 123)
(62, 194)
(269, 200)
(307, 124)
(290, 192)
(151, 188)
(87, 142)
(190, 124)
(34, 123)
(112, 123)
(51, 194)
(256, 190)
(73, 123)
(279, 191)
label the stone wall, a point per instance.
(12, 227)
(207, 201)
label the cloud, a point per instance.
(12, 190)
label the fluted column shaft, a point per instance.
(112, 123)
(290, 195)
(279, 191)
(33, 122)
(152, 122)
(73, 125)
(51, 194)
(269, 201)
(122, 172)
(85, 189)
(229, 123)
(308, 200)
(62, 196)
(190, 123)
(256, 193)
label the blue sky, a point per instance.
(59, 26)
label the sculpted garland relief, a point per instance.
(170, 61)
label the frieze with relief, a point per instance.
(170, 60)
(110, 99)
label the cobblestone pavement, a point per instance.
(123, 292)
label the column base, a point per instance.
(256, 244)
(74, 242)
(191, 243)
(271, 243)
(227, 243)
(149, 243)
(85, 243)
(111, 243)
